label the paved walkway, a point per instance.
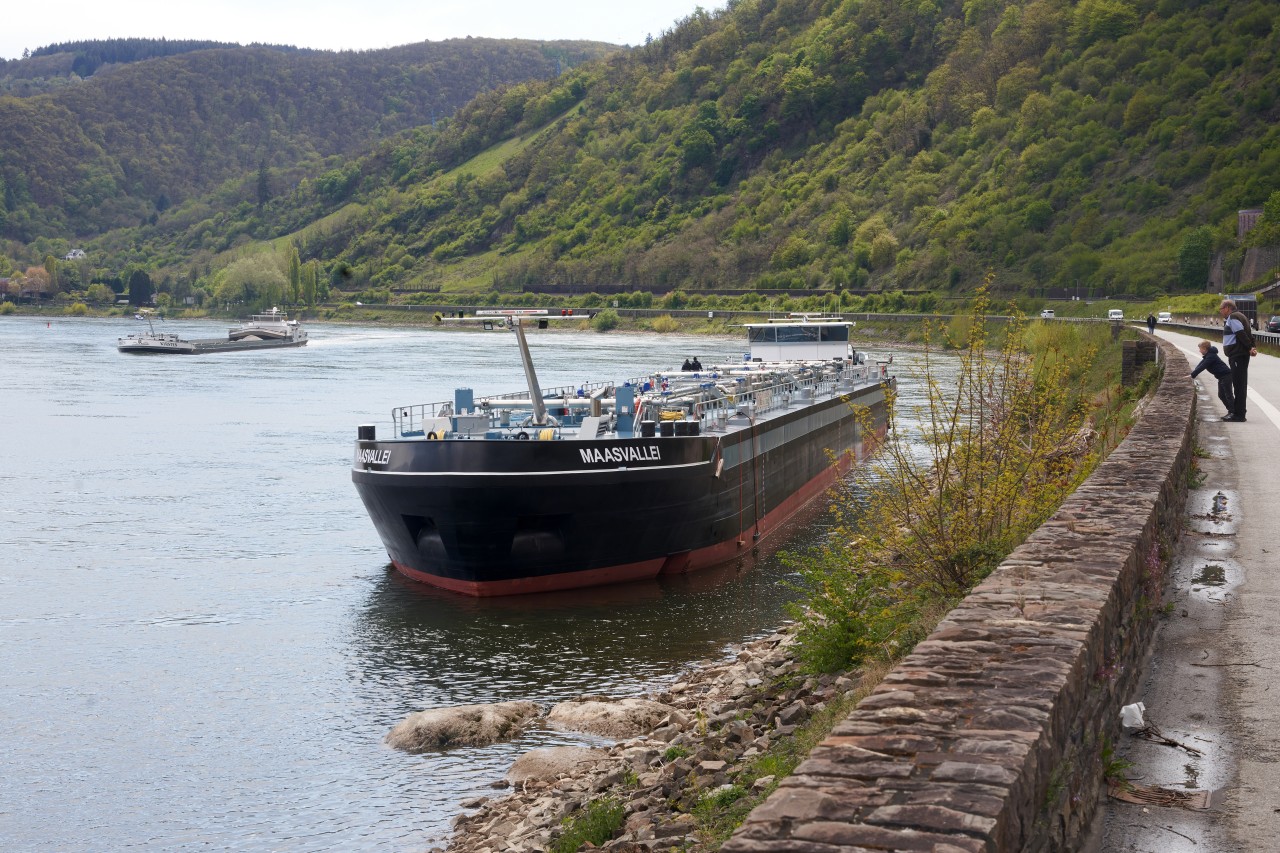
(1209, 682)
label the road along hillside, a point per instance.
(1209, 681)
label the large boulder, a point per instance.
(613, 718)
(462, 725)
(552, 762)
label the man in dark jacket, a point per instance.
(1151, 324)
(1209, 361)
(1237, 346)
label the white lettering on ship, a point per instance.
(621, 454)
(373, 457)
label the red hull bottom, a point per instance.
(681, 563)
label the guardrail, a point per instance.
(1214, 333)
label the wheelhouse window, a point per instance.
(797, 334)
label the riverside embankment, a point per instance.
(990, 735)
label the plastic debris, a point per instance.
(1131, 715)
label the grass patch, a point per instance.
(1114, 767)
(596, 824)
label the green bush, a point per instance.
(605, 320)
(665, 323)
(938, 508)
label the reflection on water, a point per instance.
(546, 647)
(201, 643)
(1211, 574)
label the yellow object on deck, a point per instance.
(546, 434)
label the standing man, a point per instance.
(1151, 324)
(1237, 345)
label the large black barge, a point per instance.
(262, 331)
(667, 473)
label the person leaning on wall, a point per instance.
(1237, 346)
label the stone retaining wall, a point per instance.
(989, 735)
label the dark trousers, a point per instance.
(1226, 394)
(1239, 381)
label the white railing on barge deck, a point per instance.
(409, 420)
(698, 396)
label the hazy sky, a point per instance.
(337, 24)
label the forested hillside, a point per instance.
(149, 129)
(1106, 144)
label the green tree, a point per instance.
(295, 275)
(1194, 258)
(264, 184)
(697, 146)
(1102, 19)
(140, 288)
(841, 231)
(1267, 231)
(51, 267)
(256, 281)
(1038, 215)
(100, 294)
(308, 277)
(884, 250)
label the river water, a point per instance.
(201, 646)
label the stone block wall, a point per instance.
(988, 736)
(1133, 356)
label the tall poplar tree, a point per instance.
(295, 275)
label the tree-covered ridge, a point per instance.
(816, 143)
(810, 143)
(89, 56)
(121, 147)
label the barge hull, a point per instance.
(211, 345)
(497, 518)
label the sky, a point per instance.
(338, 24)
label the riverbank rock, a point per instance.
(554, 761)
(612, 718)
(715, 720)
(462, 725)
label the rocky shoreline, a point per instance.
(701, 753)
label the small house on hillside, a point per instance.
(74, 255)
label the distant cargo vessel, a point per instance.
(261, 331)
(667, 473)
